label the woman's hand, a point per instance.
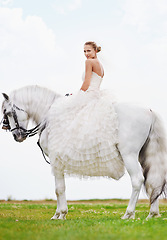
(88, 74)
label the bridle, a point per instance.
(27, 133)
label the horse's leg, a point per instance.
(62, 208)
(134, 169)
(134, 128)
(154, 209)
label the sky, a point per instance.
(41, 42)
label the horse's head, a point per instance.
(15, 119)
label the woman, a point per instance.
(92, 64)
(83, 127)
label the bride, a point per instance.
(83, 128)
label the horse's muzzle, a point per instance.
(19, 136)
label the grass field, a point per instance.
(86, 220)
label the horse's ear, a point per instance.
(5, 96)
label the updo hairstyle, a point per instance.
(94, 45)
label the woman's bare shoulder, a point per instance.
(92, 61)
(88, 61)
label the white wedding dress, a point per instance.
(83, 134)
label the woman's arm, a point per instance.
(88, 74)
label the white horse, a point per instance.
(142, 144)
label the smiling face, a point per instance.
(89, 52)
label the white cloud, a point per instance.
(65, 6)
(21, 34)
(28, 50)
(6, 2)
(147, 16)
(145, 24)
(74, 5)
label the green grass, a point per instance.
(90, 220)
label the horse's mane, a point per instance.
(33, 99)
(19, 95)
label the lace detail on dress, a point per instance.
(83, 134)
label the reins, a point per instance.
(28, 133)
(42, 151)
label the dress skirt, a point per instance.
(83, 135)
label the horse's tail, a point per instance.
(153, 159)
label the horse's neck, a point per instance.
(36, 101)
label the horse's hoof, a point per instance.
(129, 215)
(62, 217)
(55, 217)
(153, 215)
(59, 217)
